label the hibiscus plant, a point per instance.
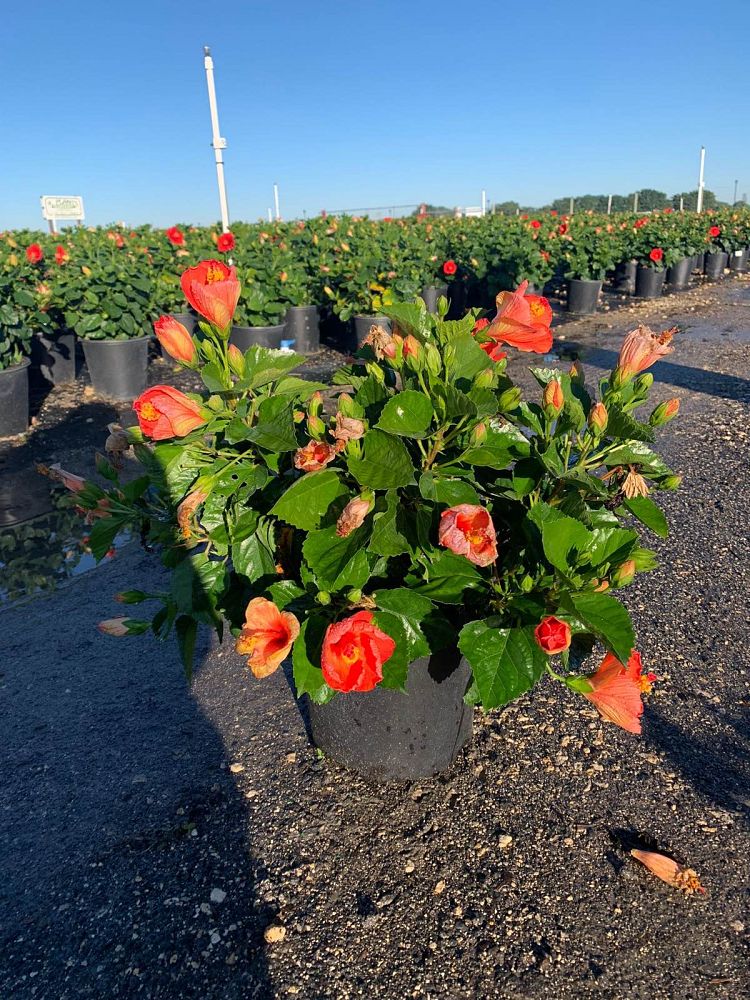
(418, 503)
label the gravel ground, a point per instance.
(154, 839)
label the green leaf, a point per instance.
(386, 463)
(411, 609)
(253, 556)
(447, 490)
(327, 555)
(465, 358)
(505, 662)
(275, 428)
(449, 576)
(308, 499)
(396, 667)
(356, 573)
(649, 514)
(408, 413)
(564, 539)
(187, 631)
(622, 425)
(263, 365)
(637, 453)
(454, 402)
(102, 536)
(308, 677)
(605, 617)
(213, 378)
(387, 537)
(500, 448)
(612, 545)
(283, 592)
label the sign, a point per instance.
(61, 206)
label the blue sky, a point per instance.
(353, 104)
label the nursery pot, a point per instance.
(303, 327)
(678, 274)
(714, 265)
(624, 277)
(117, 367)
(362, 326)
(55, 357)
(649, 283)
(387, 735)
(698, 262)
(582, 295)
(14, 399)
(457, 296)
(431, 294)
(257, 336)
(189, 321)
(738, 261)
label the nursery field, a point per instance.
(166, 840)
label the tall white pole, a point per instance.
(270, 215)
(635, 202)
(572, 205)
(484, 202)
(218, 142)
(699, 206)
(609, 205)
(276, 201)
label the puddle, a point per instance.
(44, 551)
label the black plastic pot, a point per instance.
(738, 261)
(14, 399)
(386, 735)
(714, 265)
(55, 357)
(649, 283)
(698, 262)
(457, 298)
(303, 327)
(117, 368)
(257, 336)
(431, 294)
(678, 275)
(624, 277)
(583, 295)
(362, 325)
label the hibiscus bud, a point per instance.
(323, 597)
(509, 400)
(130, 597)
(664, 412)
(624, 573)
(316, 428)
(553, 399)
(236, 360)
(672, 482)
(315, 404)
(354, 595)
(485, 379)
(119, 627)
(347, 405)
(598, 419)
(298, 416)
(413, 353)
(479, 434)
(643, 383)
(576, 373)
(433, 359)
(354, 514)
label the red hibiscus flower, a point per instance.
(714, 231)
(450, 267)
(164, 412)
(553, 212)
(468, 531)
(615, 691)
(314, 456)
(656, 254)
(552, 635)
(212, 289)
(61, 255)
(523, 321)
(34, 253)
(535, 224)
(225, 243)
(639, 222)
(562, 228)
(175, 236)
(267, 636)
(353, 654)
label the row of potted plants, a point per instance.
(108, 286)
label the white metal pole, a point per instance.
(270, 215)
(682, 204)
(484, 202)
(734, 200)
(635, 202)
(609, 205)
(276, 201)
(572, 205)
(699, 206)
(218, 142)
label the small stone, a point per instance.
(737, 925)
(439, 888)
(409, 867)
(218, 895)
(236, 768)
(291, 758)
(504, 841)
(274, 933)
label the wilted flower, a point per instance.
(379, 340)
(186, 512)
(669, 871)
(634, 485)
(467, 530)
(354, 514)
(641, 348)
(315, 455)
(348, 428)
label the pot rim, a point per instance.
(23, 363)
(111, 340)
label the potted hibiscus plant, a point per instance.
(417, 537)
